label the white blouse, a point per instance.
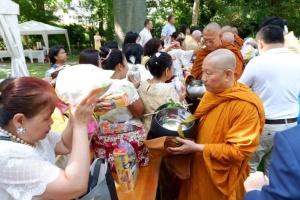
(26, 171)
(122, 114)
(182, 59)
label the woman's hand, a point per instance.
(188, 146)
(182, 93)
(82, 112)
(134, 82)
(102, 106)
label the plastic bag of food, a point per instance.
(76, 82)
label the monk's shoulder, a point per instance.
(202, 53)
(232, 48)
(228, 46)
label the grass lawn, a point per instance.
(35, 69)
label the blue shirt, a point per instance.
(168, 29)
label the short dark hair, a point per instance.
(170, 17)
(272, 21)
(135, 50)
(175, 35)
(112, 44)
(183, 28)
(53, 51)
(193, 28)
(89, 56)
(158, 63)
(152, 46)
(271, 34)
(5, 82)
(147, 21)
(180, 40)
(130, 37)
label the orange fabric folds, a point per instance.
(230, 126)
(238, 42)
(179, 164)
(197, 67)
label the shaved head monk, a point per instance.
(226, 28)
(231, 121)
(212, 39)
(228, 37)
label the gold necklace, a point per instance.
(15, 139)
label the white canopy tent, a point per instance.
(39, 28)
(9, 30)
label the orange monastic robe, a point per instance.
(197, 67)
(230, 126)
(238, 42)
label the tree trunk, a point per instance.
(129, 15)
(195, 13)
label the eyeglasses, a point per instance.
(209, 41)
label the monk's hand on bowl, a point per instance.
(187, 146)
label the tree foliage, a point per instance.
(39, 10)
(244, 14)
(160, 10)
(102, 19)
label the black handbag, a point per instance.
(101, 183)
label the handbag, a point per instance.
(101, 184)
(104, 145)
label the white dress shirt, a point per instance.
(145, 35)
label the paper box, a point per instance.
(117, 100)
(127, 168)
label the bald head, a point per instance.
(218, 71)
(212, 27)
(222, 59)
(228, 37)
(234, 30)
(196, 34)
(226, 28)
(212, 36)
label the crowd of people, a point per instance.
(247, 117)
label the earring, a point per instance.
(21, 130)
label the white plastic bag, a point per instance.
(76, 82)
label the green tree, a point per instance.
(39, 10)
(244, 14)
(102, 18)
(160, 10)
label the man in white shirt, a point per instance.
(145, 34)
(168, 29)
(275, 77)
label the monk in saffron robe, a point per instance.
(212, 40)
(231, 121)
(238, 42)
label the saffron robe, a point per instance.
(230, 126)
(238, 42)
(197, 66)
